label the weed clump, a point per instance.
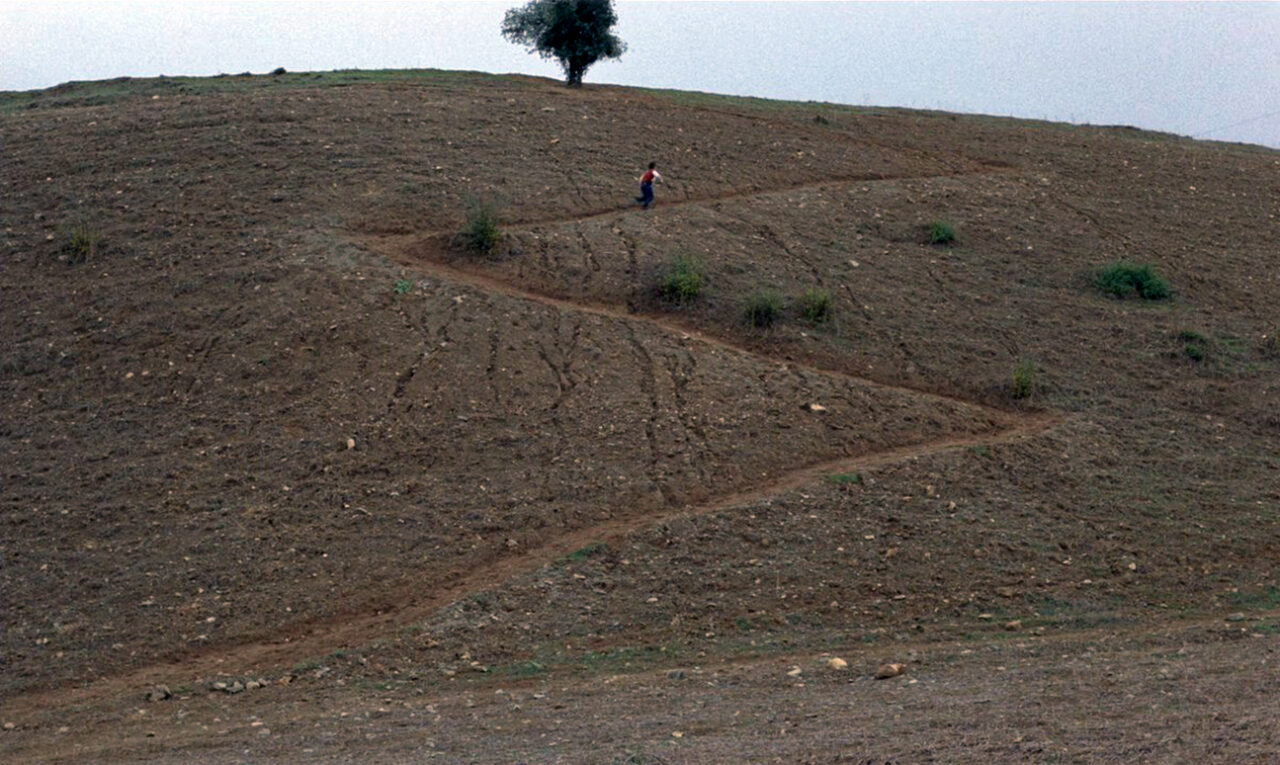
(1122, 278)
(82, 245)
(814, 306)
(682, 280)
(1195, 345)
(939, 232)
(763, 308)
(480, 231)
(845, 478)
(1024, 379)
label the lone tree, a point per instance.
(574, 31)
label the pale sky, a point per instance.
(1202, 69)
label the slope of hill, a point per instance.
(268, 427)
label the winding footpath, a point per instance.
(413, 603)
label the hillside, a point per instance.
(268, 425)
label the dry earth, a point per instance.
(290, 476)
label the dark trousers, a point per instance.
(646, 195)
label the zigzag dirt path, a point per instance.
(283, 647)
(664, 205)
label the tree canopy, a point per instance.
(577, 32)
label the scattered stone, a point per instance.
(235, 686)
(351, 443)
(814, 407)
(159, 693)
(986, 617)
(1013, 625)
(837, 663)
(9, 726)
(887, 671)
(795, 672)
(675, 674)
(1006, 592)
(1236, 617)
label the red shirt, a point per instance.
(649, 175)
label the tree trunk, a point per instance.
(576, 70)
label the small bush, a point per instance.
(82, 246)
(1024, 378)
(480, 231)
(402, 286)
(845, 478)
(814, 305)
(940, 232)
(763, 308)
(1195, 345)
(682, 280)
(1122, 278)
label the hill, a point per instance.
(284, 456)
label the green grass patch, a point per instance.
(1024, 379)
(528, 668)
(402, 286)
(762, 309)
(814, 306)
(1263, 598)
(843, 479)
(1122, 279)
(682, 280)
(589, 551)
(308, 665)
(939, 232)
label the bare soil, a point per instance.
(328, 487)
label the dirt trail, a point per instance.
(669, 204)
(286, 645)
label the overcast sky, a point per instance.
(1202, 69)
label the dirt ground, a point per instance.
(289, 475)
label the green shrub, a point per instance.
(763, 308)
(682, 280)
(1195, 345)
(1024, 378)
(845, 478)
(1122, 278)
(402, 286)
(480, 231)
(814, 305)
(939, 232)
(82, 245)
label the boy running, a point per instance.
(646, 184)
